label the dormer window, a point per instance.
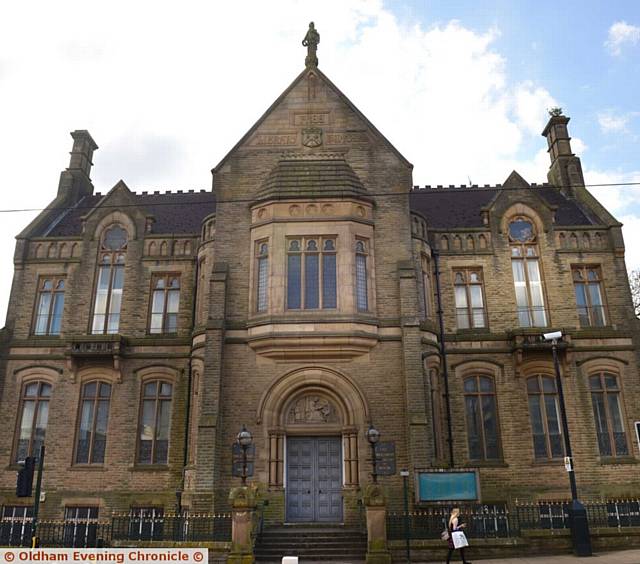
(311, 273)
(110, 282)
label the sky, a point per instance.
(461, 88)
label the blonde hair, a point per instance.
(454, 515)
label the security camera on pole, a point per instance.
(577, 513)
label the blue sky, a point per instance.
(461, 89)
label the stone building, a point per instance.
(299, 297)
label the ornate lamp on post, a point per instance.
(577, 512)
(244, 439)
(373, 436)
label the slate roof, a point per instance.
(311, 177)
(451, 208)
(179, 213)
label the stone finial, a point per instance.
(310, 41)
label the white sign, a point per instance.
(568, 463)
(115, 555)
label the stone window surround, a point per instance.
(146, 375)
(345, 231)
(56, 278)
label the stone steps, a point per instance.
(312, 543)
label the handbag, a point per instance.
(459, 539)
(444, 535)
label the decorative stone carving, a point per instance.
(311, 410)
(312, 137)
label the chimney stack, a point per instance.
(565, 171)
(82, 152)
(75, 181)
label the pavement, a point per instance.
(617, 557)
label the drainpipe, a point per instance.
(185, 457)
(443, 353)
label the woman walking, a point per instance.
(453, 527)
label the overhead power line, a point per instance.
(415, 190)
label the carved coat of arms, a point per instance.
(312, 137)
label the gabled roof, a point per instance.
(282, 96)
(453, 208)
(174, 213)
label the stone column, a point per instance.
(243, 506)
(376, 507)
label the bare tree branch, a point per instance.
(634, 282)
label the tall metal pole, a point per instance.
(36, 503)
(577, 512)
(443, 354)
(374, 463)
(407, 531)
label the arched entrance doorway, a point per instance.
(312, 418)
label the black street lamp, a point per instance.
(373, 436)
(577, 513)
(244, 439)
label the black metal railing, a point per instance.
(92, 533)
(482, 521)
(65, 534)
(179, 527)
(554, 515)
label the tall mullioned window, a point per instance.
(605, 399)
(50, 306)
(426, 286)
(110, 283)
(155, 422)
(262, 260)
(94, 419)
(34, 414)
(311, 273)
(470, 310)
(165, 304)
(545, 419)
(362, 290)
(527, 276)
(587, 282)
(482, 418)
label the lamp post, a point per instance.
(577, 512)
(244, 439)
(373, 436)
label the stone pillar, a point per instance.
(243, 506)
(376, 507)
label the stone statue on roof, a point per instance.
(311, 41)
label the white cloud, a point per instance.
(611, 121)
(167, 89)
(621, 33)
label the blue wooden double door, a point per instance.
(314, 480)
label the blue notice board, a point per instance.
(447, 486)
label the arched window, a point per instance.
(93, 422)
(262, 258)
(545, 417)
(34, 414)
(50, 306)
(165, 304)
(527, 276)
(108, 298)
(605, 398)
(482, 418)
(155, 422)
